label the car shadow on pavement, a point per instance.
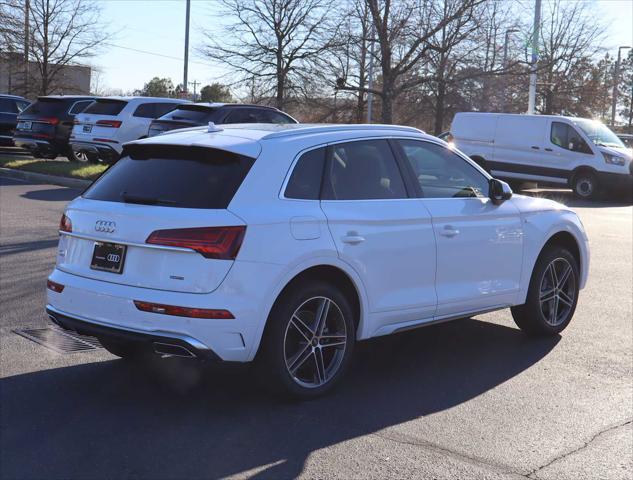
(175, 419)
(58, 194)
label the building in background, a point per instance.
(70, 80)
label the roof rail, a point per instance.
(302, 129)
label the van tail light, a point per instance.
(222, 243)
(48, 120)
(109, 123)
(65, 225)
(54, 286)
(183, 311)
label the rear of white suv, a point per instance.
(102, 129)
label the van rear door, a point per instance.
(519, 147)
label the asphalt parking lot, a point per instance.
(468, 399)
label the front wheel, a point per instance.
(585, 185)
(552, 295)
(308, 341)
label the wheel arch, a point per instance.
(580, 169)
(328, 268)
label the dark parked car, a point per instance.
(44, 127)
(627, 139)
(197, 114)
(10, 107)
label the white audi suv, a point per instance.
(287, 244)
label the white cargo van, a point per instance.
(548, 149)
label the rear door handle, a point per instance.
(353, 238)
(549, 150)
(534, 147)
(449, 231)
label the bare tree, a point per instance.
(62, 33)
(273, 43)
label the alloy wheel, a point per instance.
(315, 341)
(557, 292)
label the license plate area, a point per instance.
(87, 128)
(24, 125)
(108, 257)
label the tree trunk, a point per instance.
(439, 107)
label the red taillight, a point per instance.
(65, 225)
(109, 140)
(183, 311)
(222, 243)
(49, 120)
(54, 286)
(109, 123)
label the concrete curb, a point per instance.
(43, 178)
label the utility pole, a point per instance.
(195, 84)
(184, 79)
(533, 67)
(505, 65)
(616, 76)
(370, 80)
(27, 29)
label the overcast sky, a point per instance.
(149, 39)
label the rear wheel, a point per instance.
(120, 348)
(552, 295)
(80, 157)
(308, 341)
(585, 185)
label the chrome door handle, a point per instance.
(353, 238)
(449, 231)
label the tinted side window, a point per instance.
(22, 105)
(79, 107)
(106, 107)
(145, 110)
(565, 136)
(276, 117)
(8, 105)
(246, 115)
(305, 181)
(162, 108)
(363, 170)
(442, 173)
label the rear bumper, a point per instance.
(145, 340)
(102, 151)
(33, 145)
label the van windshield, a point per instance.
(598, 133)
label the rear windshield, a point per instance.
(46, 106)
(172, 176)
(106, 107)
(190, 113)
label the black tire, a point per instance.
(280, 335)
(123, 349)
(539, 316)
(585, 185)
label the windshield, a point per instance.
(598, 133)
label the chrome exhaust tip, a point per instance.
(171, 350)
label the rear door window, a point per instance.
(363, 170)
(106, 107)
(275, 117)
(305, 181)
(172, 176)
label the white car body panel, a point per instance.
(405, 272)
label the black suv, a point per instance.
(10, 107)
(44, 127)
(197, 114)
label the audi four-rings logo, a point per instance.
(105, 226)
(113, 257)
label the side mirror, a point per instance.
(499, 191)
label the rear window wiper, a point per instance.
(132, 198)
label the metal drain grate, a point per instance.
(61, 341)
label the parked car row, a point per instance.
(85, 128)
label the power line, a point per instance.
(146, 52)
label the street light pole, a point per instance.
(616, 74)
(535, 41)
(184, 79)
(505, 64)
